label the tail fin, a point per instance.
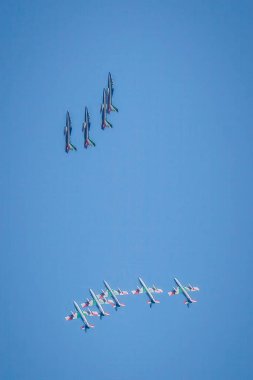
(187, 303)
(112, 108)
(151, 303)
(89, 142)
(87, 327)
(70, 147)
(106, 124)
(119, 305)
(102, 315)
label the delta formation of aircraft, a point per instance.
(106, 108)
(109, 296)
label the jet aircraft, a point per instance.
(148, 291)
(110, 91)
(67, 132)
(105, 122)
(184, 290)
(109, 292)
(80, 314)
(86, 129)
(96, 302)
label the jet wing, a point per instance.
(106, 293)
(93, 303)
(71, 316)
(191, 288)
(76, 315)
(188, 288)
(175, 291)
(154, 289)
(138, 291)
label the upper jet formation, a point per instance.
(184, 290)
(148, 291)
(86, 129)
(67, 132)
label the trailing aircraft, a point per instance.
(110, 106)
(86, 130)
(96, 302)
(103, 108)
(80, 314)
(184, 290)
(109, 292)
(148, 291)
(67, 132)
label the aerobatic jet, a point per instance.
(148, 291)
(105, 122)
(96, 302)
(67, 132)
(86, 129)
(184, 290)
(109, 292)
(110, 91)
(80, 314)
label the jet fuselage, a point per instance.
(187, 296)
(112, 294)
(93, 295)
(79, 311)
(147, 290)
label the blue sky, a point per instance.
(167, 192)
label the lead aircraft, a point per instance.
(184, 290)
(67, 132)
(148, 291)
(80, 314)
(110, 91)
(96, 302)
(86, 129)
(109, 292)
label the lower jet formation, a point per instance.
(67, 132)
(97, 302)
(184, 290)
(105, 122)
(86, 130)
(148, 291)
(80, 314)
(109, 292)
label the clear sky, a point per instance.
(166, 193)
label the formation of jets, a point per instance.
(109, 296)
(106, 108)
